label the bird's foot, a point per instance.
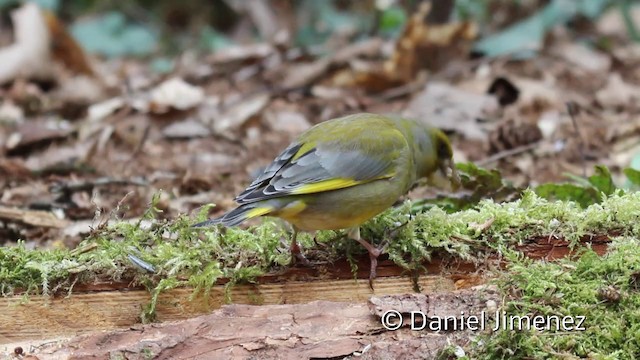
(374, 253)
(297, 257)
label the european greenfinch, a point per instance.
(341, 173)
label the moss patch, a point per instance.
(185, 256)
(605, 290)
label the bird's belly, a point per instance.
(344, 208)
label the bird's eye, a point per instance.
(444, 150)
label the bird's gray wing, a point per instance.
(324, 168)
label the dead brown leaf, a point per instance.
(421, 46)
(585, 58)
(299, 75)
(613, 24)
(65, 49)
(450, 108)
(242, 53)
(287, 121)
(34, 133)
(58, 158)
(236, 115)
(186, 129)
(41, 43)
(174, 93)
(29, 56)
(618, 93)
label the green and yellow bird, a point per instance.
(341, 173)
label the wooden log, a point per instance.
(41, 317)
(318, 329)
(107, 306)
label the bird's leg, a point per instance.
(296, 253)
(374, 252)
(315, 241)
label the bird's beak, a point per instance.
(444, 169)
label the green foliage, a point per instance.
(633, 178)
(589, 191)
(320, 19)
(392, 19)
(524, 38)
(632, 173)
(414, 238)
(476, 10)
(213, 40)
(602, 180)
(48, 4)
(476, 184)
(569, 192)
(112, 36)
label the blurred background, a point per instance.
(104, 103)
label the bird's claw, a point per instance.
(297, 257)
(374, 253)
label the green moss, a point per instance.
(186, 256)
(603, 289)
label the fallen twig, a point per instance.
(507, 153)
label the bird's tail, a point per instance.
(238, 215)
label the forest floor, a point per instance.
(102, 144)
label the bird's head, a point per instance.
(435, 154)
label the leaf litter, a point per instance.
(200, 133)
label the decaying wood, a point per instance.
(111, 306)
(319, 329)
(41, 317)
(552, 247)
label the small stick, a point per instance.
(68, 188)
(507, 153)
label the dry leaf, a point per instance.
(29, 55)
(99, 111)
(67, 156)
(189, 128)
(428, 46)
(41, 41)
(10, 113)
(175, 93)
(613, 24)
(304, 74)
(34, 132)
(65, 49)
(618, 93)
(584, 57)
(78, 90)
(450, 108)
(290, 122)
(241, 53)
(132, 130)
(239, 113)
(421, 46)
